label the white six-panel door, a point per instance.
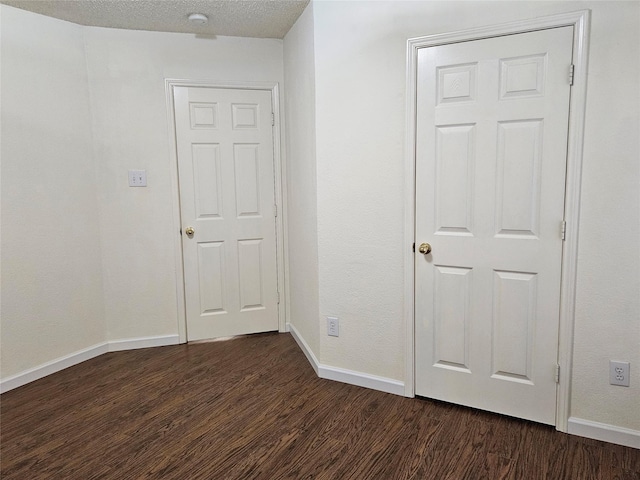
(492, 121)
(226, 178)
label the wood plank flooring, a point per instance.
(252, 408)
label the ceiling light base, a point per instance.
(198, 19)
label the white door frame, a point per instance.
(279, 175)
(580, 21)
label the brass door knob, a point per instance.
(189, 231)
(424, 248)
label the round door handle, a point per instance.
(189, 231)
(424, 248)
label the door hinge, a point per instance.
(275, 210)
(278, 298)
(563, 230)
(571, 74)
(557, 374)
(273, 119)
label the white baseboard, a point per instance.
(604, 432)
(53, 366)
(305, 348)
(576, 426)
(144, 342)
(360, 379)
(351, 377)
(83, 355)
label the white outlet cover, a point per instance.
(137, 178)
(619, 373)
(333, 326)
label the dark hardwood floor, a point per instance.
(252, 408)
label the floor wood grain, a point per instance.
(252, 408)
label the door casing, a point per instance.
(580, 21)
(281, 238)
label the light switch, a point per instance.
(137, 178)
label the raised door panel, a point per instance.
(514, 318)
(211, 272)
(206, 180)
(251, 274)
(454, 179)
(457, 83)
(522, 76)
(244, 116)
(247, 179)
(518, 178)
(452, 317)
(203, 115)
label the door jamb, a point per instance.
(279, 189)
(580, 20)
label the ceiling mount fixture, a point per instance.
(198, 19)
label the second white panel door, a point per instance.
(492, 119)
(226, 177)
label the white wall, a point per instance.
(127, 71)
(51, 298)
(85, 258)
(608, 294)
(301, 179)
(360, 66)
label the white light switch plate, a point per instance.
(333, 326)
(137, 178)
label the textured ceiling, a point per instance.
(238, 18)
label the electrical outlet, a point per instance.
(619, 373)
(137, 178)
(333, 326)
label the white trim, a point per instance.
(279, 185)
(305, 348)
(580, 21)
(409, 220)
(570, 19)
(281, 123)
(575, 142)
(53, 366)
(279, 189)
(360, 379)
(350, 377)
(604, 432)
(175, 197)
(83, 355)
(144, 342)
